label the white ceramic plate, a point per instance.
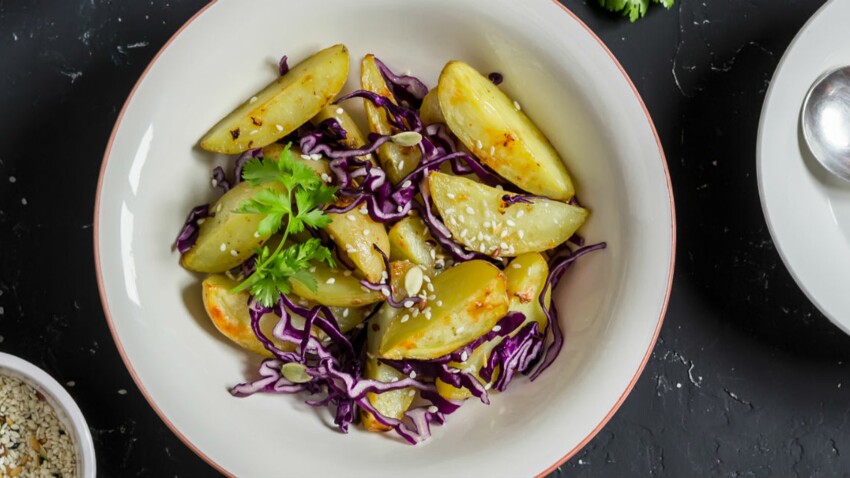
(612, 303)
(807, 209)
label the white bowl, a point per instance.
(67, 411)
(612, 303)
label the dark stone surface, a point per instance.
(747, 377)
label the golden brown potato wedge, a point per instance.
(229, 314)
(526, 277)
(282, 106)
(398, 161)
(430, 111)
(469, 299)
(227, 239)
(354, 138)
(355, 234)
(478, 218)
(335, 288)
(392, 404)
(410, 240)
(499, 133)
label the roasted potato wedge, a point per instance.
(397, 161)
(282, 106)
(499, 133)
(411, 241)
(392, 404)
(526, 277)
(430, 111)
(320, 166)
(355, 234)
(470, 298)
(478, 218)
(228, 239)
(335, 288)
(229, 314)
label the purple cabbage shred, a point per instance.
(189, 233)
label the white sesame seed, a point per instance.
(480, 236)
(400, 208)
(408, 304)
(497, 328)
(503, 245)
(450, 211)
(492, 150)
(213, 182)
(405, 318)
(401, 165)
(433, 254)
(345, 312)
(450, 195)
(279, 127)
(315, 156)
(415, 312)
(350, 249)
(482, 247)
(453, 221)
(222, 247)
(255, 131)
(433, 409)
(469, 210)
(256, 234)
(521, 233)
(406, 184)
(462, 219)
(412, 392)
(503, 234)
(364, 210)
(478, 144)
(464, 356)
(510, 223)
(463, 233)
(413, 374)
(326, 177)
(351, 218)
(253, 99)
(459, 330)
(516, 265)
(12, 179)
(233, 253)
(486, 223)
(201, 220)
(385, 291)
(439, 303)
(516, 105)
(488, 386)
(366, 232)
(305, 156)
(427, 279)
(520, 213)
(428, 313)
(430, 287)
(330, 281)
(218, 208)
(340, 111)
(122, 392)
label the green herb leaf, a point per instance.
(634, 9)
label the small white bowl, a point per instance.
(66, 409)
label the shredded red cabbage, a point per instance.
(407, 90)
(337, 379)
(556, 271)
(219, 179)
(189, 233)
(385, 288)
(283, 66)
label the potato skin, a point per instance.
(281, 107)
(334, 288)
(409, 241)
(479, 218)
(489, 123)
(356, 234)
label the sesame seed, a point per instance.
(503, 245)
(366, 232)
(439, 303)
(400, 208)
(406, 184)
(478, 144)
(255, 131)
(492, 150)
(469, 210)
(516, 265)
(450, 211)
(385, 291)
(326, 178)
(315, 156)
(350, 249)
(520, 213)
(482, 247)
(432, 409)
(463, 233)
(516, 105)
(521, 233)
(305, 156)
(233, 253)
(510, 223)
(427, 279)
(256, 234)
(330, 281)
(279, 127)
(459, 330)
(213, 182)
(412, 392)
(345, 312)
(218, 208)
(253, 99)
(122, 392)
(222, 247)
(462, 219)
(488, 386)
(480, 236)
(452, 220)
(486, 223)
(450, 195)
(12, 179)
(340, 111)
(503, 234)
(201, 220)
(401, 165)
(413, 374)
(364, 210)
(464, 356)
(430, 287)
(433, 254)
(408, 304)
(416, 312)
(497, 328)
(428, 313)
(405, 318)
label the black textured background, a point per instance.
(746, 379)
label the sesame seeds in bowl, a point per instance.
(42, 431)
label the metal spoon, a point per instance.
(826, 121)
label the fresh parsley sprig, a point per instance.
(633, 9)
(299, 206)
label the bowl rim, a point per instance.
(42, 381)
(220, 468)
